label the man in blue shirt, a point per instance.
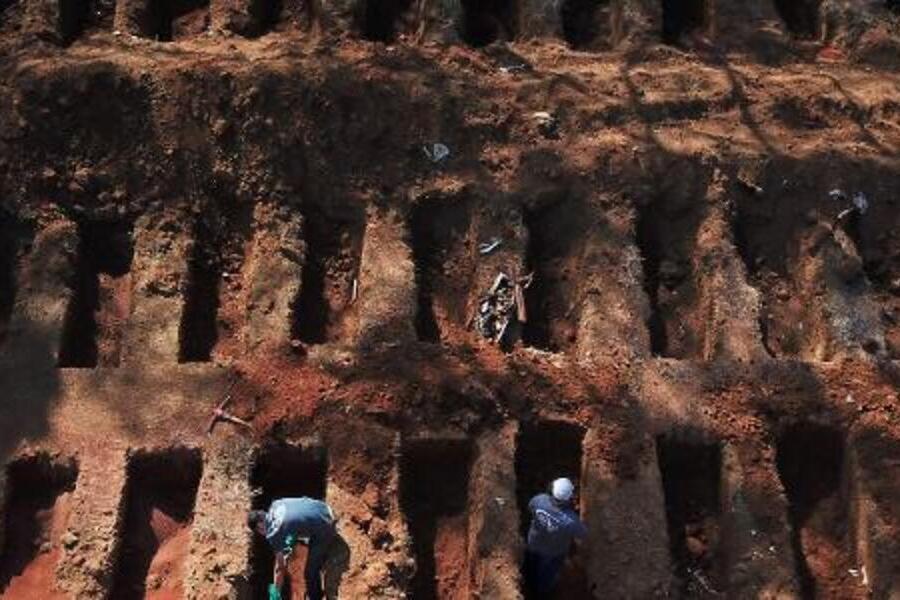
(554, 525)
(311, 522)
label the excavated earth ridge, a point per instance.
(244, 200)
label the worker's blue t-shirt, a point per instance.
(300, 518)
(553, 527)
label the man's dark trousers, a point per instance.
(541, 572)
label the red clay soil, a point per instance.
(115, 301)
(324, 305)
(156, 533)
(451, 560)
(165, 577)
(434, 481)
(682, 193)
(38, 535)
(215, 294)
(164, 545)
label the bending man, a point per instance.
(310, 522)
(554, 525)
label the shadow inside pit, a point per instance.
(38, 486)
(377, 20)
(810, 460)
(29, 383)
(434, 486)
(333, 236)
(101, 290)
(438, 228)
(486, 21)
(159, 504)
(691, 471)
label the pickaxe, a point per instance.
(220, 414)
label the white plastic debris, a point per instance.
(488, 247)
(756, 189)
(436, 152)
(507, 69)
(860, 202)
(501, 502)
(853, 572)
(849, 399)
(837, 195)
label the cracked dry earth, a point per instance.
(231, 199)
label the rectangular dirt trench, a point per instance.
(665, 231)
(557, 228)
(173, 20)
(284, 471)
(691, 469)
(441, 231)
(210, 317)
(159, 505)
(11, 243)
(101, 296)
(333, 237)
(545, 451)
(36, 511)
(434, 486)
(811, 463)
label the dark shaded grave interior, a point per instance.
(691, 475)
(556, 232)
(741, 234)
(35, 484)
(282, 471)
(768, 232)
(810, 461)
(877, 241)
(74, 16)
(681, 17)
(217, 254)
(105, 252)
(800, 17)
(333, 236)
(434, 485)
(486, 21)
(579, 21)
(265, 15)
(547, 450)
(198, 333)
(647, 237)
(377, 19)
(159, 502)
(170, 20)
(439, 228)
(11, 238)
(666, 231)
(666, 268)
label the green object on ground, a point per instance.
(274, 592)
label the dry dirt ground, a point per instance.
(201, 201)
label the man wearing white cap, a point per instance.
(554, 524)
